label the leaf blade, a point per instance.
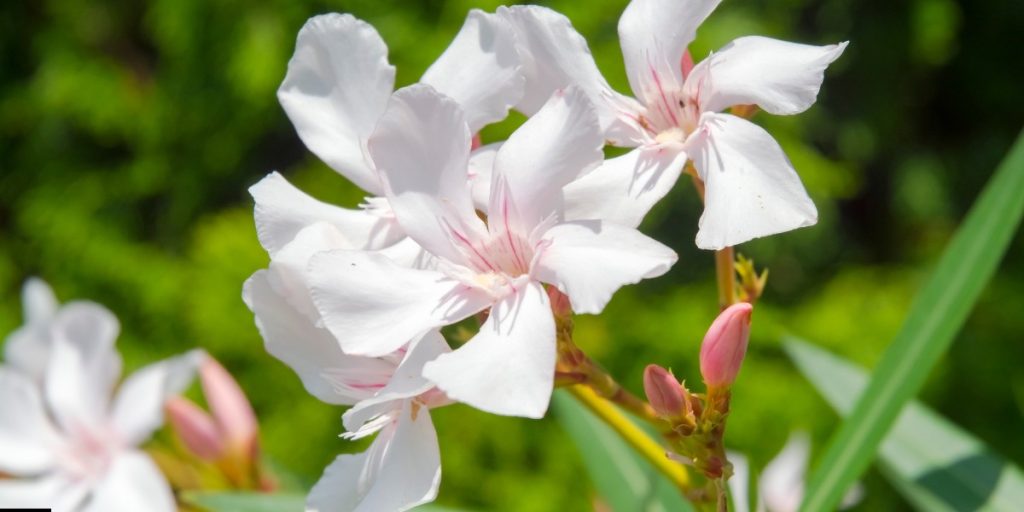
(937, 314)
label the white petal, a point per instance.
(421, 147)
(78, 384)
(283, 210)
(288, 267)
(480, 70)
(778, 76)
(406, 382)
(654, 35)
(552, 148)
(138, 408)
(481, 168)
(374, 306)
(623, 189)
(751, 189)
(781, 484)
(509, 366)
(739, 483)
(28, 348)
(38, 300)
(400, 470)
(555, 56)
(28, 441)
(589, 260)
(311, 351)
(337, 85)
(132, 483)
(52, 491)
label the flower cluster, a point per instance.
(67, 444)
(353, 300)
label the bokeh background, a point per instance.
(130, 131)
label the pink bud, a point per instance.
(476, 142)
(195, 428)
(687, 63)
(664, 392)
(229, 406)
(725, 344)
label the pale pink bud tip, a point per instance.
(664, 392)
(687, 63)
(229, 405)
(195, 428)
(725, 344)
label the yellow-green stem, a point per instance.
(725, 271)
(637, 438)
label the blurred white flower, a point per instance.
(781, 484)
(752, 189)
(64, 441)
(421, 148)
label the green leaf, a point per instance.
(220, 501)
(625, 481)
(935, 464)
(937, 314)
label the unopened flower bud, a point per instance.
(230, 407)
(664, 392)
(725, 344)
(195, 428)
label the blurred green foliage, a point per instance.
(129, 132)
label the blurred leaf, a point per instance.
(246, 501)
(935, 464)
(626, 482)
(937, 314)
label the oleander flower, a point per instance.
(66, 444)
(336, 88)
(421, 147)
(676, 114)
(401, 469)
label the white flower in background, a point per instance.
(402, 468)
(781, 484)
(337, 86)
(63, 441)
(751, 189)
(421, 147)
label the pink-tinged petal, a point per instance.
(654, 35)
(28, 440)
(138, 408)
(51, 491)
(778, 76)
(481, 169)
(750, 187)
(781, 485)
(509, 366)
(623, 189)
(132, 483)
(480, 70)
(196, 428)
(589, 260)
(78, 385)
(229, 405)
(374, 306)
(309, 350)
(556, 56)
(336, 88)
(400, 470)
(407, 381)
(283, 210)
(421, 148)
(551, 149)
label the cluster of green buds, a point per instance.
(697, 421)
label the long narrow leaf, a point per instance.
(937, 314)
(227, 501)
(936, 465)
(626, 482)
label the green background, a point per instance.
(130, 131)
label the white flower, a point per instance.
(421, 148)
(337, 86)
(65, 442)
(751, 188)
(781, 484)
(402, 468)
